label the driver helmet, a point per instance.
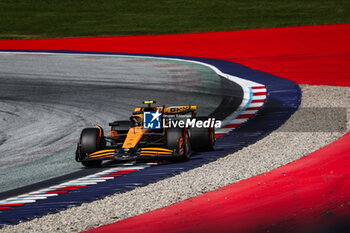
(136, 120)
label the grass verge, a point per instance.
(23, 19)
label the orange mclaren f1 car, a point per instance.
(151, 132)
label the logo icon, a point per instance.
(151, 120)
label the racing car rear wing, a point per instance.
(180, 110)
(173, 110)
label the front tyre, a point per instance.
(178, 139)
(91, 140)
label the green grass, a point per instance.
(75, 18)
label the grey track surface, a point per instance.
(45, 101)
(275, 150)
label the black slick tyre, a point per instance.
(91, 140)
(120, 126)
(178, 139)
(202, 139)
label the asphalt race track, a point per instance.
(281, 101)
(46, 99)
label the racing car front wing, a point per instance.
(132, 154)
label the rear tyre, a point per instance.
(120, 126)
(91, 140)
(202, 139)
(178, 139)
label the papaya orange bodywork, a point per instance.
(133, 137)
